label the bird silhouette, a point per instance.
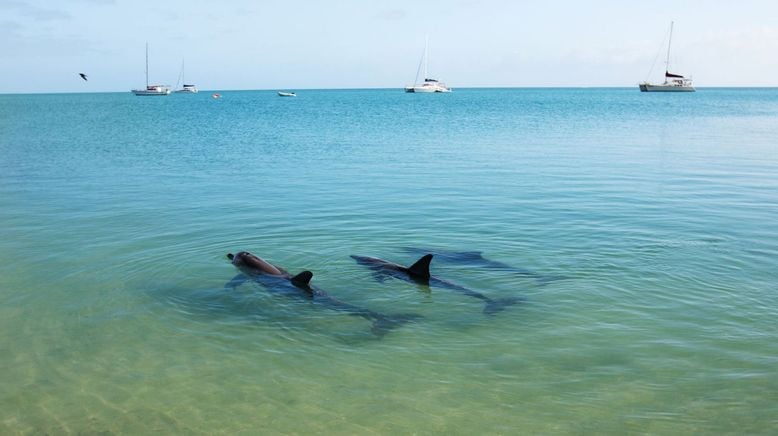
(83, 76)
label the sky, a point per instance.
(296, 44)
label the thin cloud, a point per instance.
(10, 27)
(391, 14)
(35, 12)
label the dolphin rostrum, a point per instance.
(299, 286)
(419, 272)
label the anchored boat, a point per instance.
(185, 89)
(673, 82)
(151, 89)
(428, 85)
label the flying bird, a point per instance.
(83, 76)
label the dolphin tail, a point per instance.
(543, 280)
(494, 306)
(383, 324)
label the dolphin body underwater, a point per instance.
(278, 280)
(476, 259)
(419, 273)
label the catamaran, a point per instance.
(428, 85)
(673, 82)
(186, 89)
(151, 89)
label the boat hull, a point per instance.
(152, 90)
(426, 89)
(150, 93)
(647, 87)
(420, 90)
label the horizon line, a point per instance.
(395, 88)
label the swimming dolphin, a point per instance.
(419, 272)
(476, 259)
(83, 76)
(278, 280)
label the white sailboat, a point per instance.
(186, 89)
(151, 89)
(428, 85)
(673, 82)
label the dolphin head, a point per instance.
(252, 264)
(239, 259)
(244, 261)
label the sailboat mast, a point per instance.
(669, 41)
(147, 65)
(426, 43)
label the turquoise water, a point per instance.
(647, 223)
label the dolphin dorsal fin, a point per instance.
(302, 279)
(422, 267)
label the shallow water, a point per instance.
(642, 228)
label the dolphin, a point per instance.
(476, 258)
(277, 279)
(419, 273)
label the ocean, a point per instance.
(637, 232)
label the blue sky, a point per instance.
(296, 44)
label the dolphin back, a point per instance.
(383, 324)
(498, 305)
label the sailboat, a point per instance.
(673, 82)
(151, 89)
(187, 89)
(428, 85)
